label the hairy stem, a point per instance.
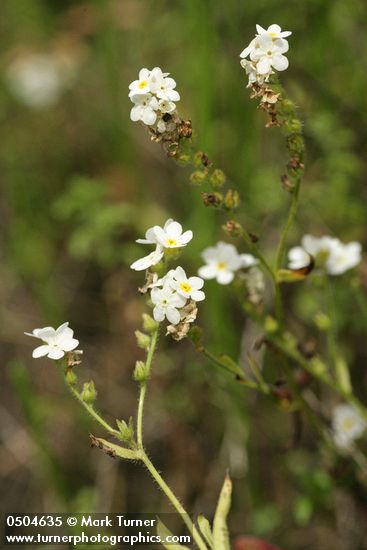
(174, 500)
(143, 389)
(89, 408)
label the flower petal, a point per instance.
(41, 351)
(55, 353)
(173, 315)
(208, 271)
(225, 277)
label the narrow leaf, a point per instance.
(205, 528)
(163, 533)
(232, 366)
(111, 449)
(220, 529)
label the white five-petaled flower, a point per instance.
(269, 54)
(168, 236)
(154, 95)
(188, 287)
(145, 107)
(348, 425)
(222, 261)
(171, 235)
(167, 303)
(328, 252)
(141, 85)
(266, 53)
(344, 257)
(56, 342)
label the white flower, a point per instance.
(166, 303)
(166, 106)
(163, 86)
(347, 424)
(168, 236)
(57, 342)
(330, 252)
(266, 53)
(250, 68)
(344, 257)
(38, 79)
(144, 109)
(142, 85)
(248, 260)
(171, 235)
(298, 258)
(274, 31)
(222, 261)
(269, 54)
(148, 261)
(188, 287)
(154, 95)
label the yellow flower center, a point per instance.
(171, 242)
(143, 84)
(347, 424)
(186, 287)
(221, 265)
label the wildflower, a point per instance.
(269, 54)
(166, 304)
(344, 257)
(141, 85)
(348, 425)
(154, 96)
(222, 261)
(266, 53)
(148, 261)
(144, 109)
(274, 31)
(328, 252)
(171, 235)
(188, 287)
(38, 79)
(163, 85)
(57, 342)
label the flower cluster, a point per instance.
(174, 295)
(153, 95)
(347, 425)
(329, 253)
(266, 52)
(56, 342)
(222, 261)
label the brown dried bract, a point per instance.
(95, 442)
(150, 281)
(188, 316)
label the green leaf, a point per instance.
(205, 528)
(232, 366)
(220, 529)
(164, 532)
(342, 375)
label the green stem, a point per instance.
(143, 388)
(288, 224)
(93, 413)
(174, 500)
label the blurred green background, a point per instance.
(80, 183)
